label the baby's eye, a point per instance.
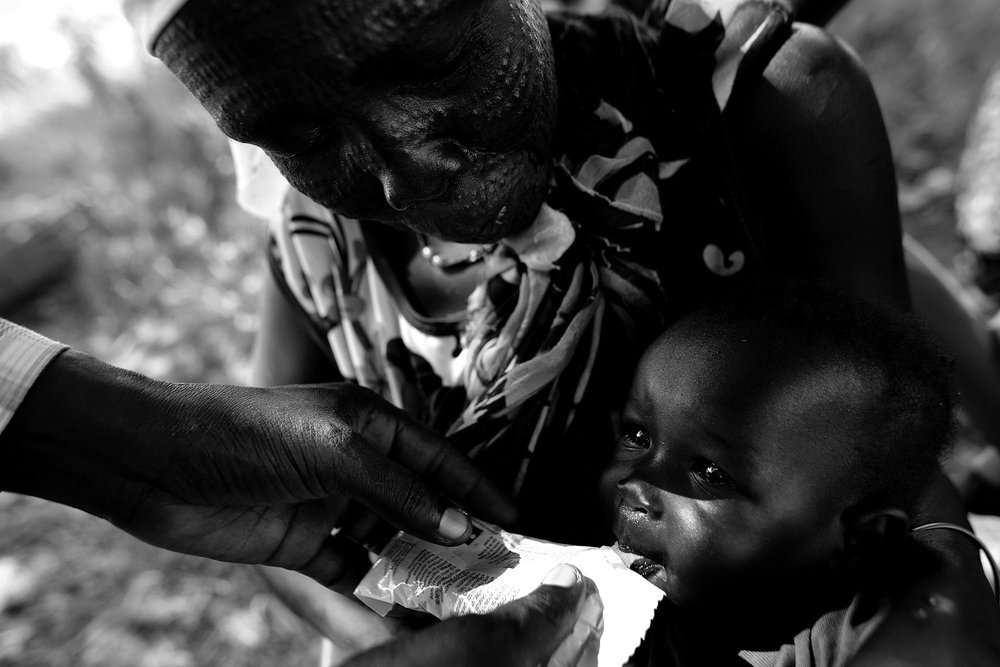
(713, 475)
(637, 438)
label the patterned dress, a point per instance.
(643, 221)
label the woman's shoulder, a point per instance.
(812, 62)
(815, 89)
(814, 155)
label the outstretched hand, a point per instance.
(236, 473)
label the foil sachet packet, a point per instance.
(494, 567)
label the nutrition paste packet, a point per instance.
(494, 567)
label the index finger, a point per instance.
(428, 454)
(399, 495)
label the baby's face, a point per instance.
(729, 476)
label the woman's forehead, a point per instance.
(378, 21)
(238, 57)
(336, 48)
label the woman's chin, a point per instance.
(488, 204)
(480, 225)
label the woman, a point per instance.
(526, 250)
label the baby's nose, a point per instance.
(640, 497)
(421, 174)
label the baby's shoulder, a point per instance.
(831, 640)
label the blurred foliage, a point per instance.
(165, 283)
(168, 267)
(76, 591)
(9, 76)
(928, 60)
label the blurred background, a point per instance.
(119, 236)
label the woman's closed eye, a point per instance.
(712, 475)
(295, 139)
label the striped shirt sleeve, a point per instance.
(23, 355)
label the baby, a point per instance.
(773, 449)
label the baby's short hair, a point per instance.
(889, 353)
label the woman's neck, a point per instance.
(435, 290)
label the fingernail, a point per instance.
(562, 575)
(454, 524)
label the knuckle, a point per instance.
(340, 438)
(341, 461)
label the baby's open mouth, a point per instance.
(645, 567)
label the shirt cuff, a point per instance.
(23, 356)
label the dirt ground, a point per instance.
(75, 591)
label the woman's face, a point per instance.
(436, 116)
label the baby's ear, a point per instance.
(872, 535)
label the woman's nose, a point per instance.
(421, 174)
(641, 497)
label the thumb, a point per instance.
(522, 633)
(550, 622)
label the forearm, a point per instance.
(82, 433)
(112, 442)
